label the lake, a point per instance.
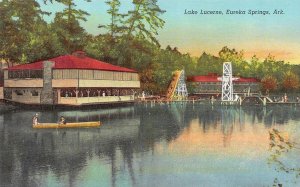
(178, 144)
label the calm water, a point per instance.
(143, 145)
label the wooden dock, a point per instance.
(248, 100)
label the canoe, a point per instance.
(67, 125)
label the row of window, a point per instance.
(22, 74)
(95, 92)
(23, 92)
(95, 74)
(219, 89)
(19, 92)
(220, 83)
(72, 92)
(74, 74)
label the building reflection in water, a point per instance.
(28, 157)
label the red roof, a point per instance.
(214, 78)
(242, 79)
(73, 62)
(203, 78)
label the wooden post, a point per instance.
(58, 96)
(76, 93)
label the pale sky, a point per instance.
(277, 34)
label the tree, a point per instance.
(254, 66)
(18, 23)
(209, 64)
(66, 25)
(131, 38)
(143, 22)
(269, 83)
(239, 65)
(116, 18)
(231, 55)
(165, 63)
(290, 81)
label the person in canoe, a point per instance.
(35, 119)
(62, 121)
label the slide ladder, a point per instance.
(173, 85)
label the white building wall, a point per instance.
(108, 84)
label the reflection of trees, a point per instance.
(282, 114)
(225, 117)
(7, 164)
(162, 122)
(227, 124)
(31, 152)
(270, 115)
(124, 133)
(254, 114)
(127, 147)
(208, 117)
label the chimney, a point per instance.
(47, 91)
(79, 54)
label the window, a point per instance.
(19, 92)
(22, 74)
(7, 93)
(34, 93)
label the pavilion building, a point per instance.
(70, 80)
(211, 84)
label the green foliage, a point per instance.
(240, 66)
(67, 27)
(209, 64)
(143, 21)
(231, 55)
(116, 26)
(22, 32)
(45, 41)
(166, 62)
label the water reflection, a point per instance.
(138, 146)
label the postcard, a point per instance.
(141, 93)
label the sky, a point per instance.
(275, 34)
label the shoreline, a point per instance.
(6, 106)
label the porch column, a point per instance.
(76, 93)
(88, 92)
(58, 96)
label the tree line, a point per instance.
(129, 40)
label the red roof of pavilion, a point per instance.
(73, 62)
(214, 78)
